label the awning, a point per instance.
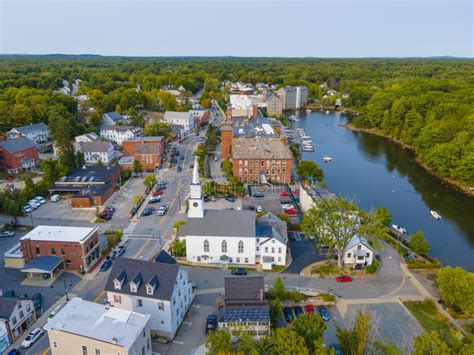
(43, 264)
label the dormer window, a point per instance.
(117, 284)
(133, 287)
(149, 289)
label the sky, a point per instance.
(261, 28)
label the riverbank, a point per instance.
(459, 185)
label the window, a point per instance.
(117, 299)
(53, 251)
(206, 246)
(84, 350)
(97, 351)
(144, 333)
(161, 306)
(37, 249)
(224, 246)
(28, 308)
(258, 248)
(246, 260)
(360, 258)
(279, 258)
(273, 250)
(22, 314)
(266, 249)
(143, 350)
(149, 289)
(63, 252)
(133, 287)
(251, 171)
(241, 247)
(279, 250)
(237, 260)
(55, 345)
(348, 255)
(14, 320)
(117, 285)
(140, 303)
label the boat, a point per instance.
(399, 229)
(296, 119)
(435, 215)
(327, 112)
(308, 148)
(308, 111)
(305, 137)
(327, 159)
(292, 117)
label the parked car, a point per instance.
(230, 199)
(284, 194)
(33, 204)
(216, 159)
(258, 195)
(324, 313)
(106, 216)
(27, 209)
(309, 308)
(162, 210)
(177, 153)
(285, 201)
(288, 314)
(191, 166)
(182, 157)
(155, 199)
(33, 336)
(9, 293)
(259, 209)
(239, 272)
(399, 229)
(147, 212)
(175, 161)
(14, 352)
(179, 169)
(55, 311)
(110, 208)
(157, 192)
(6, 234)
(287, 206)
(298, 311)
(37, 300)
(118, 252)
(106, 265)
(213, 198)
(40, 200)
(344, 278)
(291, 211)
(211, 323)
(55, 198)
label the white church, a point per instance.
(231, 236)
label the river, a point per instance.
(373, 171)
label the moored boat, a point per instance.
(327, 159)
(435, 215)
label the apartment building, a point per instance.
(119, 134)
(293, 97)
(98, 152)
(185, 120)
(37, 132)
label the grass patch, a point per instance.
(327, 297)
(276, 268)
(330, 268)
(428, 315)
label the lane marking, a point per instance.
(178, 342)
(45, 351)
(99, 295)
(172, 203)
(141, 249)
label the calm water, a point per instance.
(376, 172)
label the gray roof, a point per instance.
(93, 147)
(244, 291)
(114, 116)
(279, 229)
(17, 144)
(356, 240)
(178, 115)
(32, 127)
(7, 305)
(133, 129)
(225, 223)
(46, 263)
(164, 272)
(164, 257)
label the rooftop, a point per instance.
(90, 174)
(225, 223)
(7, 305)
(263, 148)
(46, 263)
(148, 148)
(93, 147)
(177, 115)
(32, 127)
(244, 291)
(93, 320)
(17, 144)
(261, 127)
(60, 233)
(145, 139)
(133, 129)
(114, 116)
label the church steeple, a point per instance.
(196, 203)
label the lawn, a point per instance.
(428, 315)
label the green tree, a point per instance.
(137, 167)
(287, 342)
(79, 159)
(158, 129)
(247, 344)
(150, 181)
(29, 189)
(177, 224)
(278, 290)
(178, 248)
(309, 170)
(431, 343)
(61, 127)
(218, 342)
(310, 327)
(456, 287)
(355, 340)
(383, 215)
(50, 171)
(418, 243)
(275, 311)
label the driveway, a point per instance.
(303, 253)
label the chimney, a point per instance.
(115, 340)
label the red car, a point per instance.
(296, 192)
(309, 308)
(344, 278)
(284, 194)
(291, 211)
(157, 193)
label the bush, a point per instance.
(178, 248)
(327, 270)
(278, 268)
(371, 269)
(296, 296)
(419, 264)
(327, 297)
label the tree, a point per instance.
(278, 290)
(79, 159)
(310, 327)
(178, 248)
(137, 199)
(288, 342)
(418, 243)
(158, 129)
(383, 215)
(247, 344)
(177, 224)
(218, 342)
(335, 222)
(309, 170)
(150, 181)
(275, 311)
(431, 343)
(456, 287)
(61, 127)
(355, 340)
(50, 171)
(137, 167)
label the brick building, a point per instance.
(18, 154)
(146, 150)
(79, 247)
(261, 160)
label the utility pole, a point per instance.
(65, 290)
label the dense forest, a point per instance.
(425, 103)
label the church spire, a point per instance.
(196, 180)
(196, 202)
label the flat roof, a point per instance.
(60, 233)
(93, 320)
(263, 148)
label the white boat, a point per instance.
(296, 119)
(327, 112)
(327, 158)
(435, 215)
(305, 137)
(399, 229)
(308, 111)
(292, 117)
(308, 149)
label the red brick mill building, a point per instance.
(18, 154)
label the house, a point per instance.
(98, 152)
(358, 253)
(245, 306)
(185, 120)
(310, 196)
(200, 116)
(78, 247)
(148, 151)
(18, 154)
(229, 236)
(118, 134)
(161, 290)
(37, 132)
(16, 316)
(83, 327)
(112, 118)
(84, 138)
(88, 186)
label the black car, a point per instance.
(9, 293)
(175, 161)
(211, 323)
(106, 265)
(298, 311)
(285, 201)
(239, 272)
(324, 313)
(37, 300)
(14, 352)
(177, 153)
(110, 208)
(258, 195)
(288, 313)
(179, 169)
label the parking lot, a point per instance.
(303, 253)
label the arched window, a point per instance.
(206, 246)
(224, 246)
(241, 247)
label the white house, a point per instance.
(95, 152)
(160, 289)
(118, 134)
(183, 119)
(112, 118)
(16, 316)
(358, 253)
(230, 236)
(83, 138)
(37, 132)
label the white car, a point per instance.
(33, 204)
(162, 210)
(287, 206)
(55, 198)
(33, 336)
(27, 209)
(40, 200)
(259, 209)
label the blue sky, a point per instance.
(371, 28)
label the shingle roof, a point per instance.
(133, 129)
(32, 127)
(166, 274)
(356, 240)
(17, 144)
(114, 116)
(164, 257)
(93, 147)
(177, 115)
(225, 223)
(7, 305)
(148, 148)
(240, 291)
